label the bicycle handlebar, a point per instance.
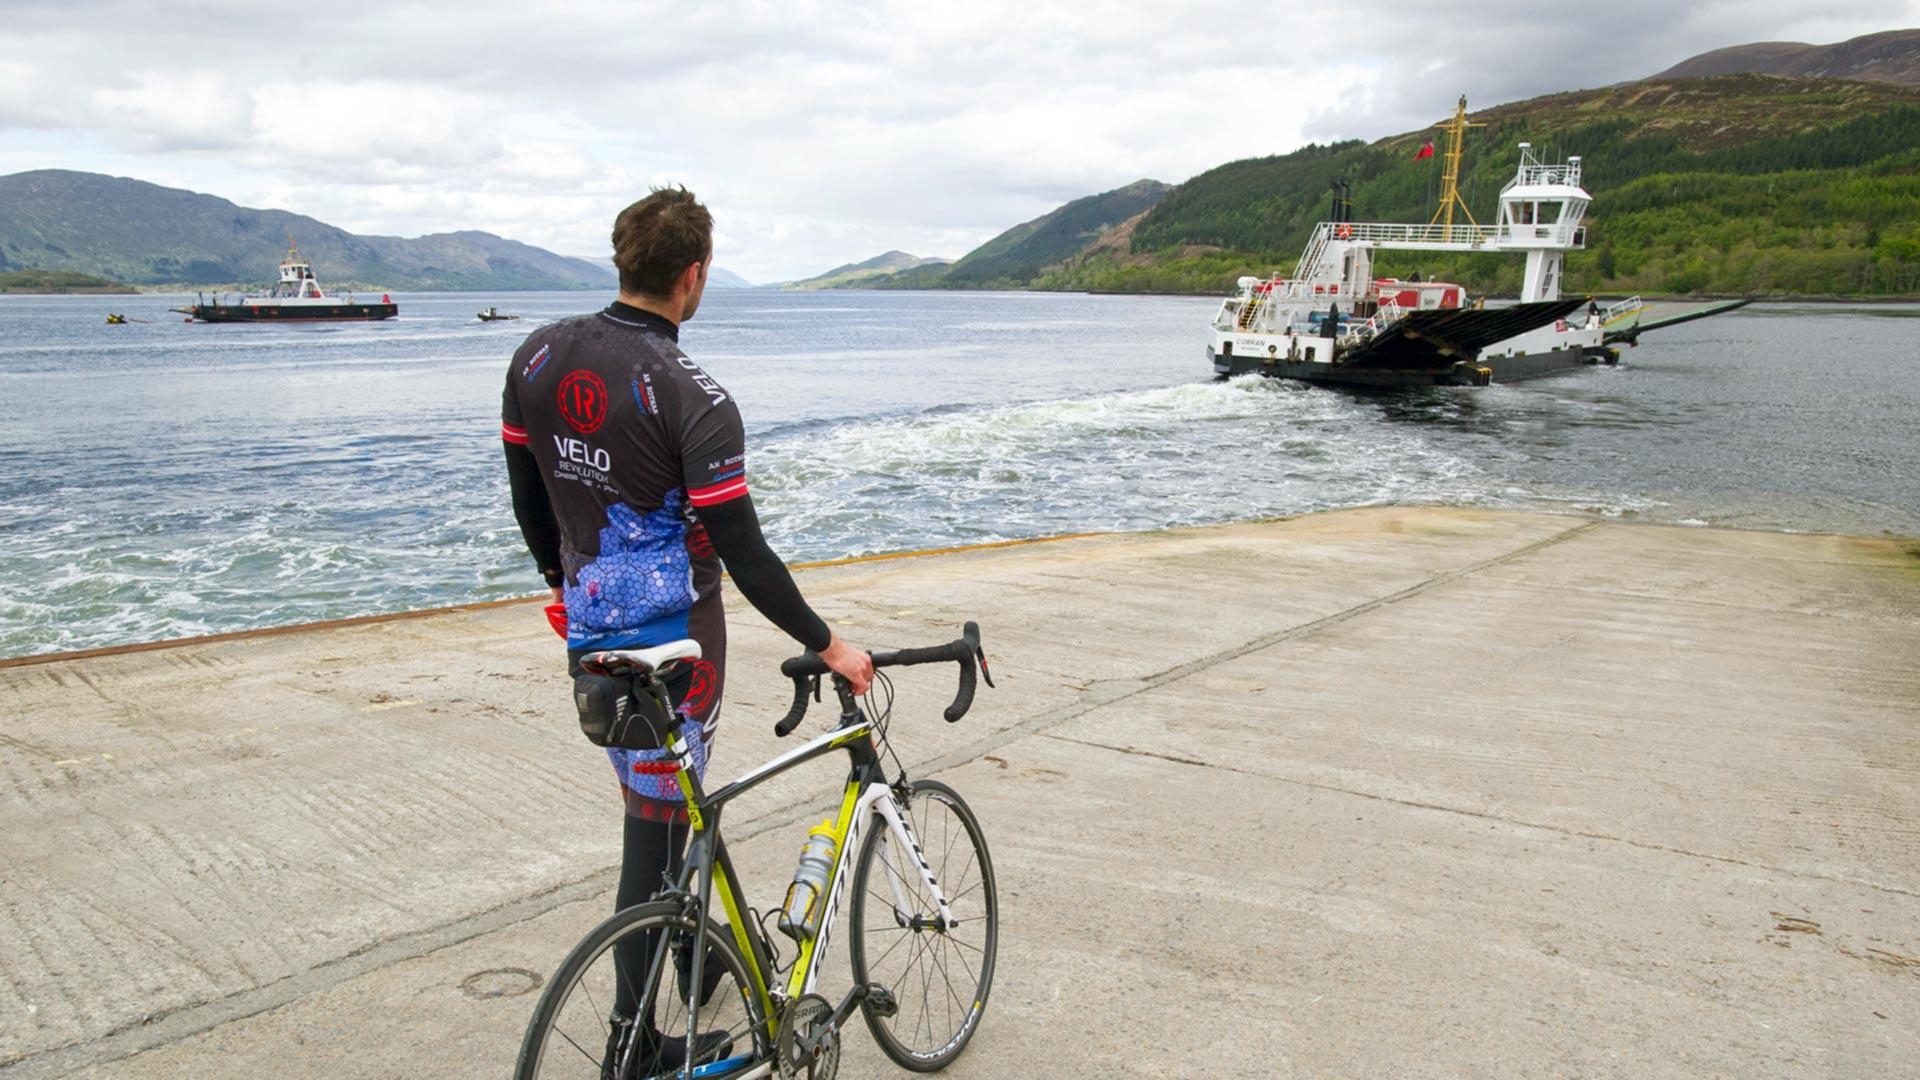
(806, 669)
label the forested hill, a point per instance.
(144, 234)
(1738, 184)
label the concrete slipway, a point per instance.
(1408, 793)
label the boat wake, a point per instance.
(1180, 455)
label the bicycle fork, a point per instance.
(896, 845)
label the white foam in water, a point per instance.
(173, 480)
(1178, 455)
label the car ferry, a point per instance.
(297, 297)
(1332, 321)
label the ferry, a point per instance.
(297, 297)
(1332, 321)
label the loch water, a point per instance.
(161, 480)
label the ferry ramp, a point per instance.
(1387, 792)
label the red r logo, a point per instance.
(701, 691)
(583, 401)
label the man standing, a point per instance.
(627, 464)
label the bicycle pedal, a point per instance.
(881, 1001)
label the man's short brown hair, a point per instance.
(657, 238)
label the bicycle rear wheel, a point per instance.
(617, 1009)
(939, 975)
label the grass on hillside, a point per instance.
(58, 282)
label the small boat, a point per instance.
(116, 320)
(297, 298)
(495, 315)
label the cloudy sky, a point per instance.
(819, 133)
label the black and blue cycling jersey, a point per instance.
(628, 469)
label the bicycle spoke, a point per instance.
(582, 1049)
(967, 945)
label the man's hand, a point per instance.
(559, 595)
(852, 664)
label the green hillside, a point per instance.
(1739, 184)
(1012, 259)
(57, 281)
(144, 234)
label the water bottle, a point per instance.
(800, 916)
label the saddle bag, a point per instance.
(631, 712)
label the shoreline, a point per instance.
(470, 606)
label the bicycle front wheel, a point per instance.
(618, 1007)
(939, 974)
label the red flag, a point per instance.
(1425, 151)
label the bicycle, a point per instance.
(615, 999)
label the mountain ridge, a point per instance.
(1014, 256)
(145, 234)
(1889, 56)
(886, 263)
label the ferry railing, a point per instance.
(1388, 313)
(1394, 233)
(1310, 259)
(1491, 237)
(1533, 175)
(1614, 312)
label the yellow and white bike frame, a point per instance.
(867, 797)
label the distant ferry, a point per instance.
(297, 298)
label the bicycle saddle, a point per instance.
(640, 661)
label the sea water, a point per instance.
(160, 480)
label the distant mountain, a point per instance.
(722, 278)
(878, 266)
(1892, 56)
(1012, 259)
(144, 234)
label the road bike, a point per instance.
(669, 988)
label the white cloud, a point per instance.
(820, 133)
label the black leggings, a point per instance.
(650, 854)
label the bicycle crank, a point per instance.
(808, 1043)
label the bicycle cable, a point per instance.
(880, 714)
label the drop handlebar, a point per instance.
(805, 671)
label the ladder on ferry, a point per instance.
(1249, 311)
(1315, 247)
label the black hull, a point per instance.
(303, 313)
(1497, 369)
(1433, 347)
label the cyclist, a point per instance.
(627, 465)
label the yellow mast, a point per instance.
(1456, 129)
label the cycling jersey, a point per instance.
(628, 433)
(619, 447)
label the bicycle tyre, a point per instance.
(956, 968)
(559, 994)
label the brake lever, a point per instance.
(980, 655)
